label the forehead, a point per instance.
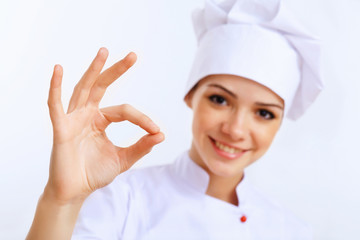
(240, 86)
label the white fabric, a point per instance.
(169, 202)
(261, 41)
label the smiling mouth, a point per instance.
(226, 150)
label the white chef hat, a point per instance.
(259, 40)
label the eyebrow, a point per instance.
(269, 105)
(257, 103)
(226, 90)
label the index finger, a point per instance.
(127, 112)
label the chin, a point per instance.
(218, 164)
(224, 169)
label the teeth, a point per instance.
(226, 148)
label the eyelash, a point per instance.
(221, 101)
(218, 100)
(268, 115)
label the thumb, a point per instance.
(142, 147)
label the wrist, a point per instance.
(54, 219)
(51, 197)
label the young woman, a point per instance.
(254, 66)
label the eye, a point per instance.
(217, 99)
(265, 114)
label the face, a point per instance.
(234, 122)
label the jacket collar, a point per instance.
(197, 178)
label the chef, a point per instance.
(254, 65)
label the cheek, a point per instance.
(205, 121)
(265, 135)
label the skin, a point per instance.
(83, 159)
(236, 112)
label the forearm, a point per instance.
(54, 221)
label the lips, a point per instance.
(226, 148)
(227, 151)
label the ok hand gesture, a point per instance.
(83, 159)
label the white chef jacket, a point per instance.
(169, 202)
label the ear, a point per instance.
(188, 98)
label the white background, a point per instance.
(312, 167)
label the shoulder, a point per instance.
(279, 217)
(105, 212)
(123, 188)
(137, 187)
(143, 177)
(128, 183)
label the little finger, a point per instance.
(54, 100)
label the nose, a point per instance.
(236, 126)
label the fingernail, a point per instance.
(133, 56)
(57, 67)
(102, 50)
(162, 138)
(154, 127)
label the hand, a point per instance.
(83, 159)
